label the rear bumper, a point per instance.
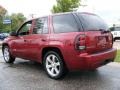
(99, 59)
(85, 61)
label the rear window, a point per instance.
(92, 22)
(65, 23)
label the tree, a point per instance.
(65, 6)
(17, 20)
(3, 11)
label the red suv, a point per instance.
(69, 41)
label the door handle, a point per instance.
(43, 39)
(25, 40)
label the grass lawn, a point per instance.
(117, 59)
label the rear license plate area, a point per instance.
(102, 41)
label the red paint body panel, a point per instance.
(87, 61)
(98, 47)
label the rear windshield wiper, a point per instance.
(104, 31)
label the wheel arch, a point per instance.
(4, 44)
(55, 49)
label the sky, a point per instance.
(109, 10)
(28, 7)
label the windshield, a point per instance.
(93, 22)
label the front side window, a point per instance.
(64, 23)
(41, 26)
(24, 30)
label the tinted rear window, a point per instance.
(65, 23)
(92, 22)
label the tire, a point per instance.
(53, 65)
(8, 58)
(114, 39)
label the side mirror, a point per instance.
(13, 34)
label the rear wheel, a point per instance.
(7, 55)
(54, 65)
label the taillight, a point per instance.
(80, 42)
(111, 38)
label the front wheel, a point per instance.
(7, 55)
(54, 65)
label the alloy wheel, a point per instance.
(6, 54)
(52, 65)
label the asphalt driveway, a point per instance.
(117, 44)
(26, 75)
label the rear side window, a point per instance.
(64, 23)
(41, 26)
(92, 22)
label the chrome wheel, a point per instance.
(6, 54)
(52, 65)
